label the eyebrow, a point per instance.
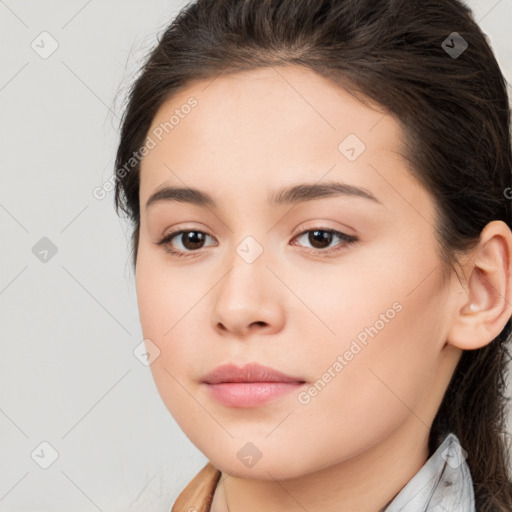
(292, 195)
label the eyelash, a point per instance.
(347, 240)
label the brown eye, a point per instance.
(321, 239)
(190, 241)
(318, 238)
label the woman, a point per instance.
(320, 198)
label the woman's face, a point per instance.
(362, 323)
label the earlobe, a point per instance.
(482, 311)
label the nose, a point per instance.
(248, 300)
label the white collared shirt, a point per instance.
(443, 483)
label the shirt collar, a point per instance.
(442, 484)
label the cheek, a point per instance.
(165, 293)
(168, 303)
(164, 321)
(378, 328)
(374, 372)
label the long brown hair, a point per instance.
(455, 115)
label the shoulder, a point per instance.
(198, 493)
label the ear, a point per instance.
(483, 309)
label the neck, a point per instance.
(367, 482)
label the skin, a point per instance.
(365, 434)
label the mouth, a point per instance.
(250, 394)
(249, 386)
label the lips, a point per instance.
(252, 372)
(250, 386)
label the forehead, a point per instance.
(246, 106)
(267, 128)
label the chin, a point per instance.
(274, 467)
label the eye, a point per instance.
(321, 237)
(191, 240)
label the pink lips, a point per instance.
(249, 386)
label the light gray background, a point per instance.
(69, 325)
